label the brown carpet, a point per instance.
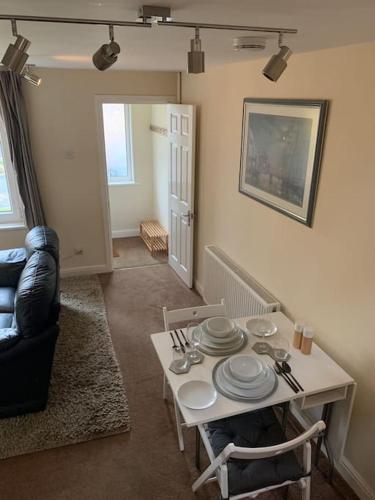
(86, 398)
(132, 252)
(143, 464)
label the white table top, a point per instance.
(316, 373)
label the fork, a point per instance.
(176, 347)
(187, 343)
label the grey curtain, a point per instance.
(13, 111)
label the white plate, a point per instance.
(219, 326)
(218, 340)
(245, 367)
(261, 327)
(256, 393)
(197, 394)
(245, 385)
(214, 343)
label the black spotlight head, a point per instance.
(106, 55)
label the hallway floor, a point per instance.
(132, 252)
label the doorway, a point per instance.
(148, 159)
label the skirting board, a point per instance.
(345, 468)
(81, 270)
(125, 233)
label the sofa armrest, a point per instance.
(8, 338)
(12, 263)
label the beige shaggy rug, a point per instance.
(87, 398)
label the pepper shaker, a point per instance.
(307, 339)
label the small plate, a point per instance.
(245, 368)
(197, 394)
(261, 327)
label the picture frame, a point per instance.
(281, 152)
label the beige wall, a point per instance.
(132, 203)
(63, 127)
(324, 275)
(160, 166)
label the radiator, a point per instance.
(224, 279)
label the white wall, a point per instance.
(64, 139)
(160, 166)
(324, 275)
(132, 203)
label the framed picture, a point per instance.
(282, 144)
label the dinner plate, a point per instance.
(197, 394)
(218, 351)
(210, 343)
(261, 327)
(245, 367)
(244, 385)
(227, 393)
(218, 340)
(252, 392)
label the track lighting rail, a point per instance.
(230, 27)
(137, 24)
(74, 20)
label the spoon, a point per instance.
(280, 372)
(288, 369)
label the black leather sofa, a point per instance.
(29, 311)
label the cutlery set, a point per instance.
(181, 347)
(284, 370)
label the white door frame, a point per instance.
(104, 191)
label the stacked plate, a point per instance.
(244, 378)
(219, 336)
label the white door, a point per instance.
(181, 135)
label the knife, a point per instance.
(179, 341)
(174, 343)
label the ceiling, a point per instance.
(321, 24)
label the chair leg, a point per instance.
(178, 426)
(306, 489)
(164, 387)
(197, 449)
(286, 492)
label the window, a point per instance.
(11, 210)
(118, 142)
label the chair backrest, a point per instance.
(232, 451)
(192, 313)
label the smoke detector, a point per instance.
(249, 42)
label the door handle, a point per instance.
(189, 216)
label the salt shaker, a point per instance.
(298, 331)
(307, 339)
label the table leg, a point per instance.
(323, 439)
(178, 425)
(197, 449)
(284, 421)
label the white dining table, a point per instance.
(328, 390)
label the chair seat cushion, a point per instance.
(8, 338)
(7, 299)
(6, 320)
(253, 430)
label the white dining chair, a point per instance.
(245, 472)
(177, 316)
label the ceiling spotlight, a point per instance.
(107, 54)
(31, 78)
(278, 62)
(15, 56)
(196, 55)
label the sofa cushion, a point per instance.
(42, 238)
(6, 320)
(12, 263)
(254, 430)
(7, 299)
(35, 293)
